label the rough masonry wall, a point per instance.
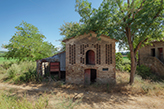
(145, 58)
(75, 70)
(146, 51)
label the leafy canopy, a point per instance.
(28, 44)
(132, 22)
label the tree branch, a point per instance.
(139, 9)
(139, 45)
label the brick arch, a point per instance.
(90, 57)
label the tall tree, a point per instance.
(28, 44)
(70, 29)
(132, 22)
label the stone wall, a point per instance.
(76, 58)
(146, 58)
(146, 51)
(155, 65)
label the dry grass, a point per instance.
(140, 86)
(70, 96)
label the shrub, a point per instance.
(119, 62)
(2, 70)
(7, 65)
(127, 67)
(143, 71)
(22, 72)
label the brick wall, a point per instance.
(76, 49)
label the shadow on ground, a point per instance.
(88, 94)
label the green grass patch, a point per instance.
(126, 60)
(2, 59)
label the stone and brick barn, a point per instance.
(153, 57)
(88, 60)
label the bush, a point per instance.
(7, 65)
(119, 62)
(2, 70)
(127, 67)
(143, 71)
(22, 72)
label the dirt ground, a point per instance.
(89, 99)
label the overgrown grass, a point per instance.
(23, 72)
(140, 86)
(10, 101)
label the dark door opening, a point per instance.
(160, 54)
(90, 76)
(153, 52)
(90, 57)
(93, 76)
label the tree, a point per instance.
(132, 22)
(28, 44)
(70, 29)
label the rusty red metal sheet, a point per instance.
(87, 76)
(54, 70)
(54, 66)
(54, 63)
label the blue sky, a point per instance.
(46, 15)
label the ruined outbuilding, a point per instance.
(87, 59)
(152, 56)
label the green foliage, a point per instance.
(126, 60)
(120, 64)
(127, 67)
(2, 53)
(143, 71)
(22, 72)
(133, 22)
(4, 60)
(129, 57)
(7, 65)
(28, 44)
(70, 30)
(119, 61)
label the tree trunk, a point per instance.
(133, 64)
(132, 55)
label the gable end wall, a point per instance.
(75, 72)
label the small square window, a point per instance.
(105, 69)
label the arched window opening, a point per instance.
(90, 57)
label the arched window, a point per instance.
(90, 57)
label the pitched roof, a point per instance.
(65, 40)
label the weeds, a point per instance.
(23, 72)
(140, 86)
(9, 101)
(67, 103)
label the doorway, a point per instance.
(90, 76)
(90, 57)
(160, 54)
(153, 52)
